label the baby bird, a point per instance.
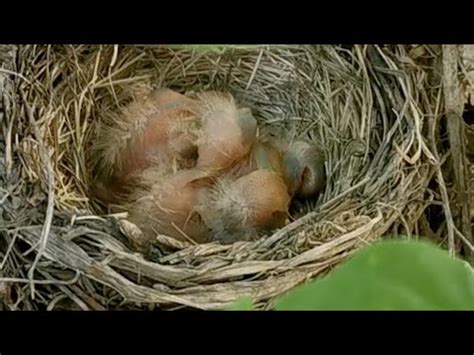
(263, 155)
(157, 129)
(300, 163)
(303, 169)
(250, 199)
(168, 204)
(228, 133)
(242, 209)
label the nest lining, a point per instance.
(369, 107)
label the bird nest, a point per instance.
(371, 109)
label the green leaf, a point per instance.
(390, 275)
(243, 304)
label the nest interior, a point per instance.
(372, 108)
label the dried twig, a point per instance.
(50, 207)
(454, 109)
